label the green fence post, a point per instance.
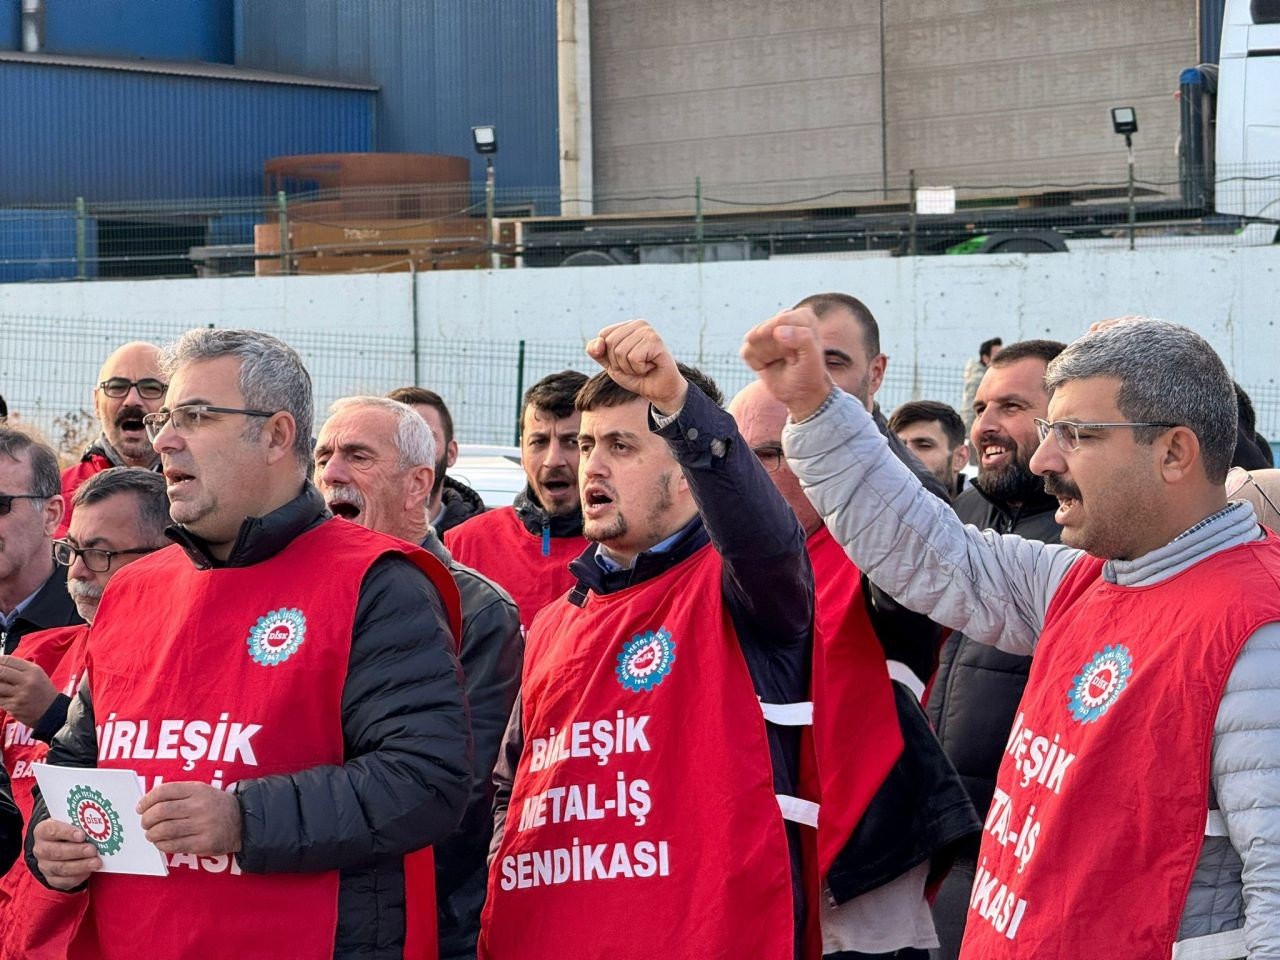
(82, 267)
(911, 235)
(282, 218)
(519, 389)
(697, 215)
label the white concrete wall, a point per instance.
(933, 313)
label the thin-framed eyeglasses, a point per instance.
(1067, 432)
(95, 558)
(1238, 478)
(771, 458)
(149, 388)
(187, 418)
(6, 501)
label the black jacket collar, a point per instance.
(260, 538)
(1038, 503)
(591, 576)
(534, 518)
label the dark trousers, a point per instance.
(906, 953)
(950, 908)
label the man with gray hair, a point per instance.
(375, 466)
(120, 517)
(295, 713)
(33, 589)
(1136, 802)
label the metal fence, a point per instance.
(48, 369)
(445, 226)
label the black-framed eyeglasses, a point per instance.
(771, 458)
(95, 558)
(187, 419)
(149, 388)
(6, 501)
(1067, 432)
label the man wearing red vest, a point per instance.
(295, 714)
(130, 386)
(526, 548)
(374, 461)
(1135, 807)
(653, 757)
(889, 815)
(120, 517)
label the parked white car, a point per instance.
(494, 472)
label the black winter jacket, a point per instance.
(460, 502)
(977, 688)
(492, 654)
(406, 736)
(51, 607)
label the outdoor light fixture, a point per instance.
(486, 138)
(1123, 119)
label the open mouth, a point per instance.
(176, 478)
(993, 453)
(557, 486)
(132, 425)
(345, 510)
(595, 500)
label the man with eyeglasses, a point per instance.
(893, 808)
(120, 517)
(1136, 803)
(33, 591)
(130, 386)
(284, 683)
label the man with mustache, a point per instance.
(1135, 806)
(294, 707)
(33, 589)
(652, 761)
(452, 502)
(130, 386)
(526, 548)
(975, 692)
(120, 518)
(373, 462)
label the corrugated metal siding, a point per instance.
(10, 24)
(114, 135)
(443, 66)
(159, 29)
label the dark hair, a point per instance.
(553, 394)
(985, 348)
(421, 396)
(4, 410)
(46, 478)
(601, 391)
(823, 303)
(1046, 350)
(926, 411)
(146, 486)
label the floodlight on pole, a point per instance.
(485, 138)
(1124, 120)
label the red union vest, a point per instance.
(72, 478)
(37, 923)
(229, 674)
(851, 691)
(497, 544)
(643, 821)
(1101, 800)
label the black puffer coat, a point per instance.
(406, 737)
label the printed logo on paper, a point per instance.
(1099, 683)
(646, 660)
(93, 814)
(277, 636)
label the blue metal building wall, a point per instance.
(152, 29)
(443, 66)
(120, 135)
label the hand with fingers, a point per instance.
(187, 817)
(786, 353)
(634, 357)
(25, 690)
(65, 859)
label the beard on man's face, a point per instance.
(1011, 482)
(442, 464)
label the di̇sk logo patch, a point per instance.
(277, 636)
(1099, 683)
(93, 814)
(646, 660)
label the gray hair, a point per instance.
(147, 488)
(46, 478)
(413, 439)
(1168, 373)
(272, 375)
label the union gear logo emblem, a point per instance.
(646, 660)
(1099, 683)
(91, 812)
(277, 636)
